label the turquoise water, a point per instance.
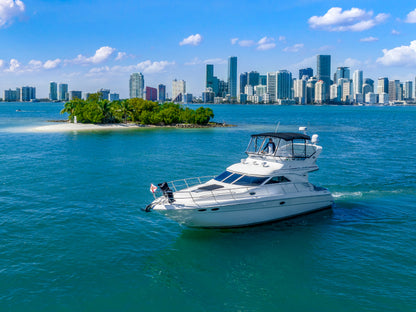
(73, 237)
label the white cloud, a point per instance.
(395, 32)
(349, 20)
(411, 17)
(121, 56)
(14, 66)
(1, 64)
(191, 40)
(147, 67)
(265, 43)
(215, 61)
(101, 55)
(350, 62)
(282, 38)
(34, 65)
(9, 9)
(403, 55)
(369, 39)
(234, 40)
(246, 43)
(51, 64)
(294, 48)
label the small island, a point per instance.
(136, 111)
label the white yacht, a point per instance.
(270, 184)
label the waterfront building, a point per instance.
(300, 90)
(178, 90)
(63, 94)
(161, 93)
(394, 90)
(11, 95)
(248, 89)
(104, 94)
(209, 76)
(53, 91)
(263, 80)
(28, 94)
(271, 86)
(324, 72)
(260, 90)
(243, 98)
(223, 88)
(75, 95)
(151, 94)
(208, 96)
(320, 92)
(342, 72)
(358, 81)
(383, 85)
(187, 98)
(232, 76)
(310, 90)
(335, 93)
(114, 97)
(253, 78)
(283, 84)
(367, 89)
(308, 72)
(371, 98)
(358, 98)
(369, 82)
(383, 98)
(136, 85)
(408, 90)
(346, 89)
(243, 81)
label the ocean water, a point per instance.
(73, 237)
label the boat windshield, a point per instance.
(239, 179)
(249, 180)
(223, 175)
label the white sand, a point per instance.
(66, 126)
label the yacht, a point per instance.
(270, 184)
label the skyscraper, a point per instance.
(324, 72)
(63, 92)
(178, 90)
(232, 76)
(408, 90)
(342, 72)
(28, 93)
(53, 91)
(283, 84)
(253, 78)
(358, 81)
(305, 72)
(151, 94)
(209, 76)
(243, 82)
(271, 86)
(136, 85)
(161, 93)
(383, 85)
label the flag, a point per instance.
(153, 188)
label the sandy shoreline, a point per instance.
(67, 126)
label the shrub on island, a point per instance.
(97, 111)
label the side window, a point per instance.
(280, 179)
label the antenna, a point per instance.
(277, 127)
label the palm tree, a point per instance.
(69, 108)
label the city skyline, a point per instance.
(102, 48)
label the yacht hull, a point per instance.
(240, 214)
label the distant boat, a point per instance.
(18, 110)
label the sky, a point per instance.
(93, 44)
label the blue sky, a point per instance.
(98, 44)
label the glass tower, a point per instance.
(136, 85)
(232, 76)
(324, 72)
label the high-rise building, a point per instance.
(394, 90)
(151, 94)
(253, 78)
(383, 85)
(178, 90)
(11, 95)
(263, 80)
(283, 84)
(104, 94)
(161, 93)
(136, 85)
(232, 76)
(369, 82)
(187, 98)
(63, 94)
(75, 95)
(114, 97)
(28, 93)
(323, 69)
(335, 93)
(320, 92)
(342, 72)
(408, 90)
(358, 81)
(243, 81)
(300, 90)
(310, 90)
(305, 72)
(53, 91)
(271, 86)
(367, 89)
(209, 79)
(208, 96)
(346, 89)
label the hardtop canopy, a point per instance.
(287, 136)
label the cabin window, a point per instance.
(223, 175)
(280, 179)
(232, 178)
(250, 180)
